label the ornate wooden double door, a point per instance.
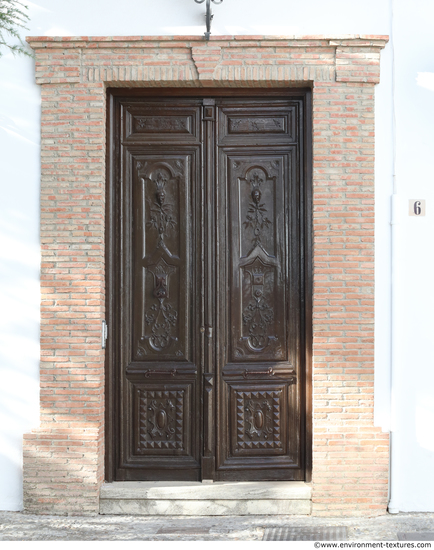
(206, 288)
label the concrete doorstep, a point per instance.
(199, 499)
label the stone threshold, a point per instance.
(206, 499)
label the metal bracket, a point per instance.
(209, 15)
(104, 334)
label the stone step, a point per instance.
(205, 499)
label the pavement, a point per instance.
(18, 526)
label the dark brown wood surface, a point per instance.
(208, 373)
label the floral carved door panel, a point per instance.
(206, 289)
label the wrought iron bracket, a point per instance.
(209, 15)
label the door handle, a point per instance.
(207, 330)
(268, 372)
(150, 373)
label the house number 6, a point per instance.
(416, 207)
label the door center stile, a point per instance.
(209, 277)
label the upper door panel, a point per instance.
(161, 122)
(273, 121)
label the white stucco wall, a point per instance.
(19, 269)
(19, 207)
(413, 422)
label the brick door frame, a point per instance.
(64, 457)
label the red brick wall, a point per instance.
(63, 466)
(350, 456)
(64, 458)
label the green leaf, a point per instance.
(13, 17)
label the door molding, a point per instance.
(112, 403)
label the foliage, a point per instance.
(12, 15)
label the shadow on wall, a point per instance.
(19, 347)
(19, 268)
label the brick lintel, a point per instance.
(242, 59)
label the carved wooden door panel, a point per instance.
(206, 270)
(258, 365)
(156, 269)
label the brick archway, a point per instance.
(64, 457)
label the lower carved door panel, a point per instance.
(206, 288)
